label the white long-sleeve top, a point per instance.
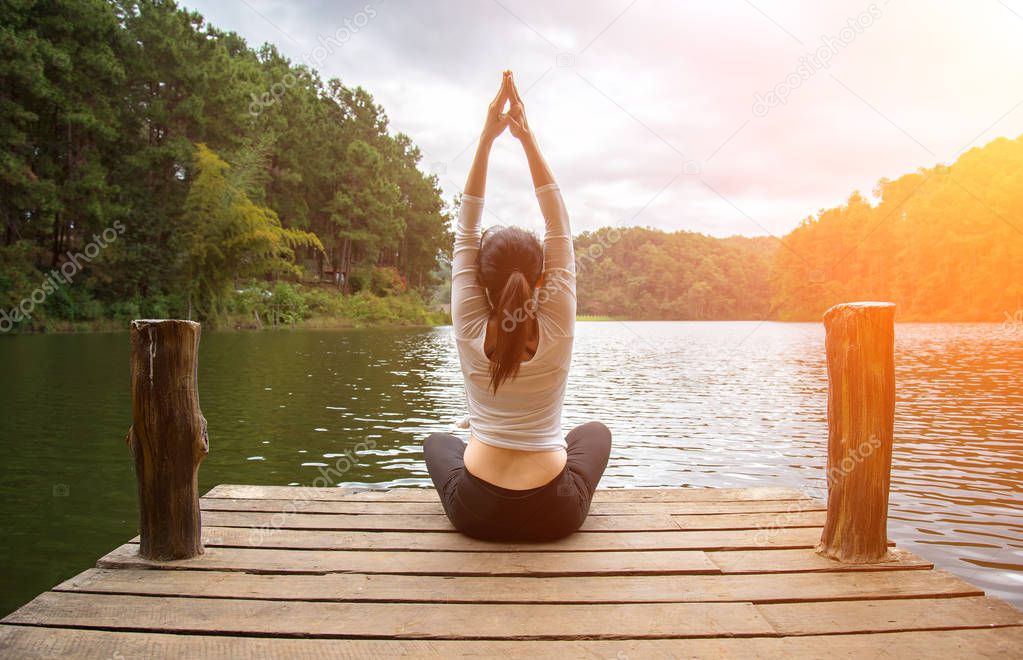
(526, 411)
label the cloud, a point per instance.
(622, 94)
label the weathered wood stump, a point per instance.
(860, 340)
(168, 437)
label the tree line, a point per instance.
(642, 273)
(945, 243)
(222, 162)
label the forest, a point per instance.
(641, 273)
(153, 165)
(944, 243)
(181, 173)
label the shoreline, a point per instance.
(346, 323)
(316, 323)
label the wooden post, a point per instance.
(168, 437)
(860, 340)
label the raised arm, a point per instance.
(469, 307)
(519, 127)
(496, 122)
(559, 257)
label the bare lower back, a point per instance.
(513, 468)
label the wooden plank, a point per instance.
(506, 621)
(33, 643)
(242, 491)
(440, 522)
(263, 560)
(635, 562)
(418, 522)
(408, 620)
(387, 507)
(762, 588)
(260, 560)
(759, 521)
(803, 560)
(876, 616)
(799, 537)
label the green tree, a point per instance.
(364, 211)
(943, 243)
(225, 237)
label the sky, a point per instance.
(725, 117)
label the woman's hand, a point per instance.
(519, 128)
(516, 121)
(496, 120)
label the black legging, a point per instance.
(482, 510)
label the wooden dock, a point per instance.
(304, 572)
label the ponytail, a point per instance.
(513, 309)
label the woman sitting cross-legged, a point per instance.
(513, 310)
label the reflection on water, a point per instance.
(702, 404)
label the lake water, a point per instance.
(701, 404)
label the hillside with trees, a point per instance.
(642, 273)
(944, 243)
(226, 166)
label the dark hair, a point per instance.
(510, 265)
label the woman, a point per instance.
(513, 311)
